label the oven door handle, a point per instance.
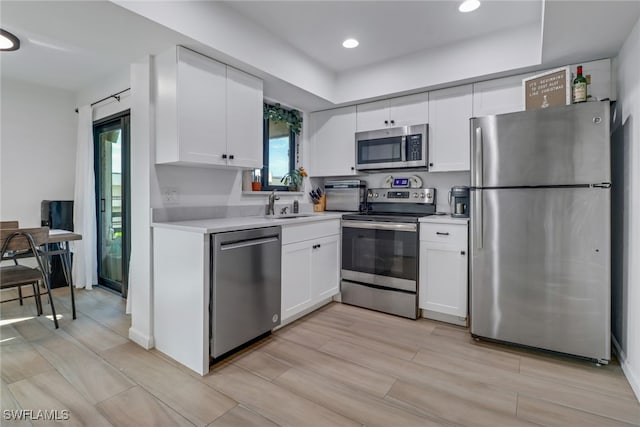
(380, 226)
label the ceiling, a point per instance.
(385, 29)
(74, 44)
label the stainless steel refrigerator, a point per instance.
(540, 229)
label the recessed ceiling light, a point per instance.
(8, 41)
(350, 43)
(469, 5)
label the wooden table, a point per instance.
(62, 239)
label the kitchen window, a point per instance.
(278, 155)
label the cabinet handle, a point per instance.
(462, 253)
(231, 157)
(393, 122)
(386, 122)
(224, 156)
(353, 168)
(431, 164)
(315, 246)
(439, 233)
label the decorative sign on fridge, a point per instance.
(547, 90)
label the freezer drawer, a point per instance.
(540, 268)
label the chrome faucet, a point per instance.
(272, 201)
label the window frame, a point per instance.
(264, 172)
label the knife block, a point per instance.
(320, 207)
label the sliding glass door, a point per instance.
(111, 139)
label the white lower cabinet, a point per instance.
(310, 266)
(443, 285)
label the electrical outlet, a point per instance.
(170, 195)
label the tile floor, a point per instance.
(338, 366)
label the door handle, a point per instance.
(248, 242)
(477, 165)
(476, 202)
(103, 205)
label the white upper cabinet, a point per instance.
(244, 119)
(497, 96)
(402, 111)
(332, 142)
(207, 114)
(449, 113)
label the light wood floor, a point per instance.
(338, 366)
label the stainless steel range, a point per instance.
(380, 250)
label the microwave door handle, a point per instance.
(403, 149)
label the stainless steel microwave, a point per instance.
(392, 148)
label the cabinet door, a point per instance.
(201, 108)
(296, 278)
(244, 119)
(333, 147)
(498, 96)
(409, 110)
(325, 267)
(449, 113)
(373, 115)
(443, 279)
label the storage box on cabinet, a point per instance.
(207, 114)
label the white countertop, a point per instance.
(218, 225)
(444, 219)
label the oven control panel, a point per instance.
(396, 195)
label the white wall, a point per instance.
(443, 66)
(107, 85)
(628, 64)
(140, 299)
(38, 149)
(238, 41)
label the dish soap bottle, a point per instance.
(579, 87)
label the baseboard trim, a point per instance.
(442, 317)
(143, 340)
(304, 313)
(634, 381)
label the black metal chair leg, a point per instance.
(20, 294)
(53, 310)
(36, 295)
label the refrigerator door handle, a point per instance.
(476, 202)
(476, 162)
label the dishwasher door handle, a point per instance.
(249, 242)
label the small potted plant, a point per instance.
(293, 178)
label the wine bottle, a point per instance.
(579, 87)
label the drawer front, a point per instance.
(444, 233)
(309, 230)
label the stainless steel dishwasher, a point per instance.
(245, 287)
